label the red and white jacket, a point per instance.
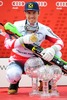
(20, 53)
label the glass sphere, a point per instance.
(31, 66)
(45, 72)
(57, 72)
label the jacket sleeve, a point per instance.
(11, 43)
(52, 37)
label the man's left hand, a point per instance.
(48, 54)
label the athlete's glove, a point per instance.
(28, 39)
(48, 53)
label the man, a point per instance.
(33, 32)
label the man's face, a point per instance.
(32, 16)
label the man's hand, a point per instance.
(48, 54)
(28, 39)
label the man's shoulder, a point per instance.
(42, 25)
(20, 23)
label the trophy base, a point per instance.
(54, 93)
(36, 93)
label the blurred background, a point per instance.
(53, 13)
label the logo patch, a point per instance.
(30, 5)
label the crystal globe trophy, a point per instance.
(57, 75)
(45, 74)
(31, 69)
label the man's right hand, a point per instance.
(28, 39)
